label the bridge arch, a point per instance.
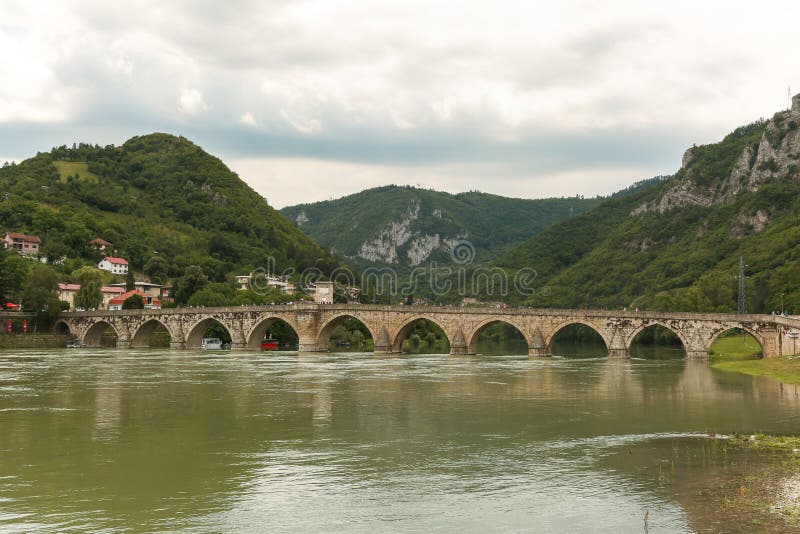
(62, 328)
(472, 338)
(572, 322)
(651, 324)
(196, 332)
(93, 336)
(730, 328)
(403, 330)
(141, 338)
(324, 335)
(257, 333)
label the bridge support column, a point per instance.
(123, 343)
(382, 344)
(538, 352)
(308, 343)
(619, 353)
(177, 344)
(697, 354)
(538, 347)
(238, 346)
(458, 345)
(618, 349)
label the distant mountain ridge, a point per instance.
(676, 243)
(404, 226)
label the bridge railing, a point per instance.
(791, 322)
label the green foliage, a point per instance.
(424, 337)
(491, 223)
(134, 302)
(155, 193)
(40, 292)
(157, 268)
(213, 294)
(683, 259)
(190, 283)
(14, 271)
(130, 281)
(89, 295)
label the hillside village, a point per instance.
(114, 295)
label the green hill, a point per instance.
(155, 195)
(676, 244)
(404, 226)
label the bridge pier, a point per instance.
(177, 345)
(382, 345)
(697, 355)
(619, 354)
(539, 352)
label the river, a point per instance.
(150, 440)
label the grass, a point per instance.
(785, 369)
(735, 347)
(741, 354)
(75, 168)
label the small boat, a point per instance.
(269, 344)
(76, 344)
(211, 343)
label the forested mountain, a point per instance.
(676, 244)
(155, 195)
(404, 226)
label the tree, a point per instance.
(130, 281)
(157, 269)
(3, 276)
(134, 302)
(40, 292)
(14, 271)
(190, 283)
(89, 295)
(208, 297)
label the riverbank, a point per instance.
(742, 354)
(33, 341)
(768, 493)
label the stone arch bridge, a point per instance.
(389, 325)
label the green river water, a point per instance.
(111, 440)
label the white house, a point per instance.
(113, 265)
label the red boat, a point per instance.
(269, 344)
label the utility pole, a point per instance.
(741, 305)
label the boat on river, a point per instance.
(269, 344)
(211, 343)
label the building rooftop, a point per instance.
(24, 237)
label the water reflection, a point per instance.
(338, 442)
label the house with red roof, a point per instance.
(25, 245)
(113, 265)
(150, 302)
(100, 244)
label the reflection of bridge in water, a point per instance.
(389, 326)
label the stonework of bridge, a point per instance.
(389, 325)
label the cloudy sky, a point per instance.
(309, 100)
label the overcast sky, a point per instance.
(309, 100)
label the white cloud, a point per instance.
(247, 118)
(425, 85)
(190, 102)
